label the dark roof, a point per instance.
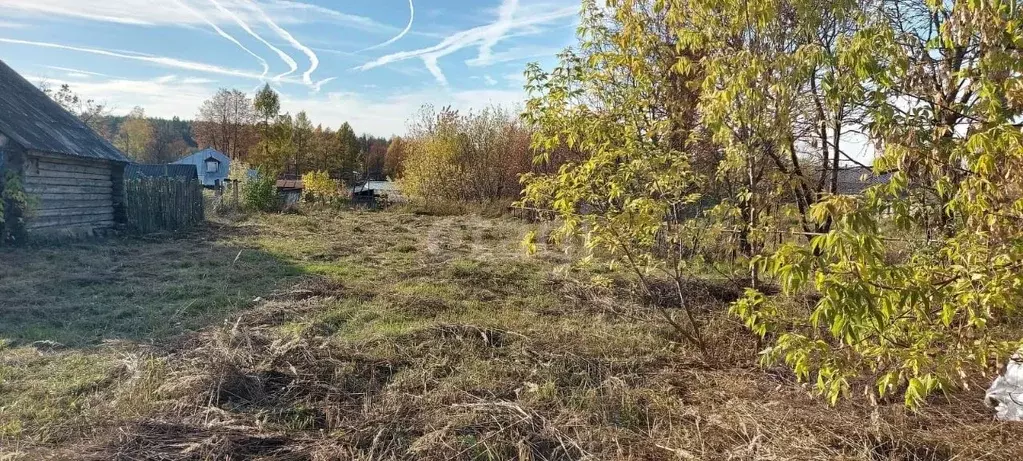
(855, 180)
(290, 184)
(34, 121)
(381, 186)
(137, 171)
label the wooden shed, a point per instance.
(74, 177)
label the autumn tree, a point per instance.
(452, 157)
(348, 153)
(916, 281)
(136, 136)
(267, 106)
(373, 160)
(276, 143)
(776, 98)
(431, 170)
(397, 150)
(223, 122)
(172, 140)
(90, 112)
(624, 104)
(277, 150)
(302, 134)
(941, 83)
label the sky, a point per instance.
(372, 63)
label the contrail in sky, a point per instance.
(284, 56)
(159, 60)
(314, 61)
(319, 84)
(266, 67)
(412, 17)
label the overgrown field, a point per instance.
(396, 336)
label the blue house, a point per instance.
(212, 166)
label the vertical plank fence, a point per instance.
(163, 204)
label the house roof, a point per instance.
(137, 171)
(202, 156)
(290, 184)
(34, 121)
(383, 186)
(855, 180)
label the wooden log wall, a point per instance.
(72, 194)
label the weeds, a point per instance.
(454, 347)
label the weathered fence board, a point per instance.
(161, 204)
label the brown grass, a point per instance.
(415, 337)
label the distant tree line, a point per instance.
(250, 129)
(145, 139)
(256, 131)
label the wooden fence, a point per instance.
(163, 204)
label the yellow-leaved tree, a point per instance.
(915, 282)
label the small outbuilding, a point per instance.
(73, 177)
(387, 191)
(212, 166)
(290, 191)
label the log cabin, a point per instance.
(73, 176)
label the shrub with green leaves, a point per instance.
(15, 205)
(260, 194)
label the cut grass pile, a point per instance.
(395, 336)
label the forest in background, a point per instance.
(444, 160)
(232, 122)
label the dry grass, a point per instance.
(399, 336)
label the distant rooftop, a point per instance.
(138, 171)
(383, 186)
(855, 180)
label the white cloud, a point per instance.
(197, 80)
(314, 61)
(500, 28)
(489, 80)
(71, 70)
(222, 33)
(510, 18)
(165, 96)
(318, 85)
(157, 60)
(411, 18)
(513, 54)
(517, 78)
(388, 115)
(168, 96)
(11, 25)
(319, 13)
(150, 13)
(292, 65)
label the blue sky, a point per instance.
(370, 62)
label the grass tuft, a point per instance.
(392, 335)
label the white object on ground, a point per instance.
(1006, 393)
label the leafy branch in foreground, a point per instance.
(626, 193)
(754, 105)
(943, 84)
